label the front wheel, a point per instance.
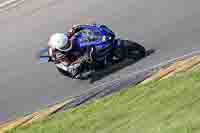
(72, 74)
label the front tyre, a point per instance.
(73, 74)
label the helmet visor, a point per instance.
(66, 48)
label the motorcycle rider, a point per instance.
(64, 48)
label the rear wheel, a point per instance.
(134, 50)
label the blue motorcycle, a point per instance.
(111, 50)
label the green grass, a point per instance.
(168, 106)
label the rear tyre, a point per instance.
(134, 50)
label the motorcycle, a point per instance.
(112, 50)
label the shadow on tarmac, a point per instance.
(98, 75)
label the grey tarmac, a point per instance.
(170, 27)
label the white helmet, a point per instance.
(59, 41)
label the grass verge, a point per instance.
(168, 106)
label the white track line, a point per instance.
(8, 2)
(159, 65)
(144, 70)
(135, 73)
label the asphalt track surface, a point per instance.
(170, 27)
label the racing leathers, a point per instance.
(77, 55)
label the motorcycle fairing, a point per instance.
(101, 37)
